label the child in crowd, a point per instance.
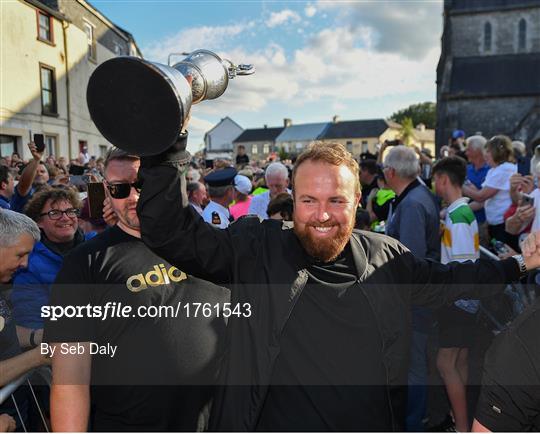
(459, 242)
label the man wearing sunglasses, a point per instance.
(56, 211)
(148, 384)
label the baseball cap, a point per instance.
(242, 184)
(457, 134)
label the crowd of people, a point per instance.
(338, 327)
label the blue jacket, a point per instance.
(31, 286)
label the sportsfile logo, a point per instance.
(159, 275)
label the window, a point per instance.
(118, 49)
(266, 148)
(50, 145)
(91, 41)
(522, 34)
(365, 147)
(8, 145)
(487, 37)
(83, 144)
(45, 29)
(48, 90)
(102, 151)
(349, 146)
(254, 149)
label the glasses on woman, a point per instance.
(56, 214)
(121, 190)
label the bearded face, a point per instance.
(324, 241)
(325, 208)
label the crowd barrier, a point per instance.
(518, 299)
(8, 392)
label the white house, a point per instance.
(219, 140)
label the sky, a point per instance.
(313, 59)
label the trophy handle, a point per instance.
(234, 70)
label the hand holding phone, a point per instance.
(96, 196)
(39, 141)
(527, 200)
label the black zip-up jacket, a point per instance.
(265, 265)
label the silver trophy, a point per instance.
(141, 106)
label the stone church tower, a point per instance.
(488, 76)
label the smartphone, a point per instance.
(527, 200)
(39, 141)
(96, 196)
(76, 170)
(209, 164)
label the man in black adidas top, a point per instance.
(327, 345)
(154, 373)
(510, 396)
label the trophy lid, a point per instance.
(138, 105)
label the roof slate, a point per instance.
(508, 75)
(259, 134)
(302, 132)
(360, 128)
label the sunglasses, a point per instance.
(122, 189)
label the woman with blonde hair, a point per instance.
(495, 191)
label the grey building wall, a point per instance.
(490, 116)
(104, 34)
(468, 32)
(463, 36)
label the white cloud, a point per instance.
(310, 10)
(330, 68)
(199, 125)
(411, 28)
(282, 17)
(338, 67)
(210, 38)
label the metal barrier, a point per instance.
(8, 391)
(516, 294)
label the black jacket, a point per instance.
(265, 265)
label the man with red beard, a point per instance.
(321, 338)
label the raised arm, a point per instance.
(29, 173)
(171, 228)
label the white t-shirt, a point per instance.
(460, 242)
(536, 222)
(498, 178)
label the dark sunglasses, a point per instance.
(56, 214)
(122, 189)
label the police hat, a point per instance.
(221, 178)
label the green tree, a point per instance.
(283, 155)
(406, 132)
(423, 113)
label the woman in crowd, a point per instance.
(281, 207)
(56, 211)
(495, 191)
(242, 185)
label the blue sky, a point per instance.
(355, 59)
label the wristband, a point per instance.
(32, 339)
(521, 262)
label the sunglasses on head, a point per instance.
(121, 190)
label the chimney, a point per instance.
(421, 127)
(335, 119)
(287, 122)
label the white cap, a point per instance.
(242, 184)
